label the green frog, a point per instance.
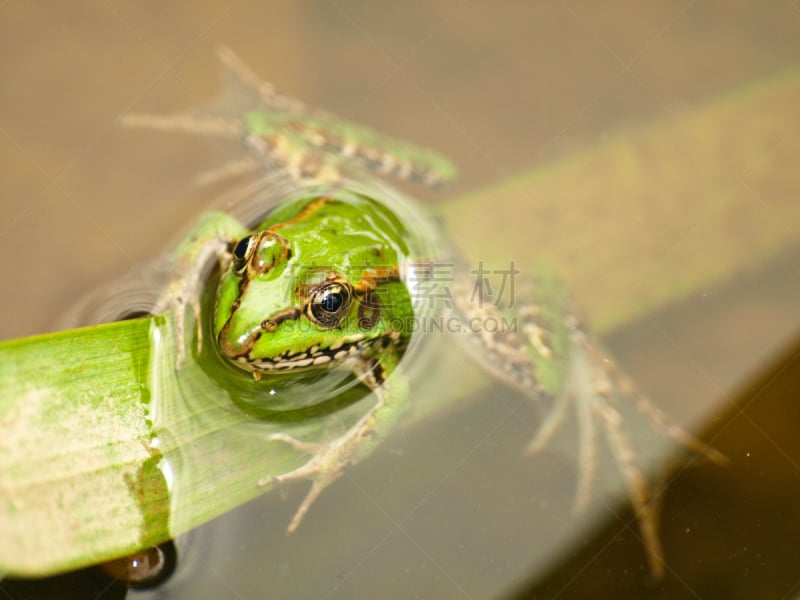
(343, 274)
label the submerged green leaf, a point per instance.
(106, 448)
(74, 433)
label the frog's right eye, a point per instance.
(242, 252)
(328, 304)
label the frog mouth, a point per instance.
(314, 358)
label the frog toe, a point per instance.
(300, 445)
(322, 470)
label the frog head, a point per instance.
(317, 283)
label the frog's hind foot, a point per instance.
(594, 386)
(590, 389)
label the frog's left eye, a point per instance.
(241, 253)
(328, 304)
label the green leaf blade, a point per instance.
(72, 427)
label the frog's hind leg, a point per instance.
(286, 151)
(552, 359)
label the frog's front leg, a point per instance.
(330, 459)
(211, 238)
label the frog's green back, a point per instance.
(340, 230)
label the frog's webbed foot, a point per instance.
(327, 463)
(329, 459)
(593, 387)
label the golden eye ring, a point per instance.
(329, 303)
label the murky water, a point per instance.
(450, 509)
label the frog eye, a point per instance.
(328, 304)
(241, 253)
